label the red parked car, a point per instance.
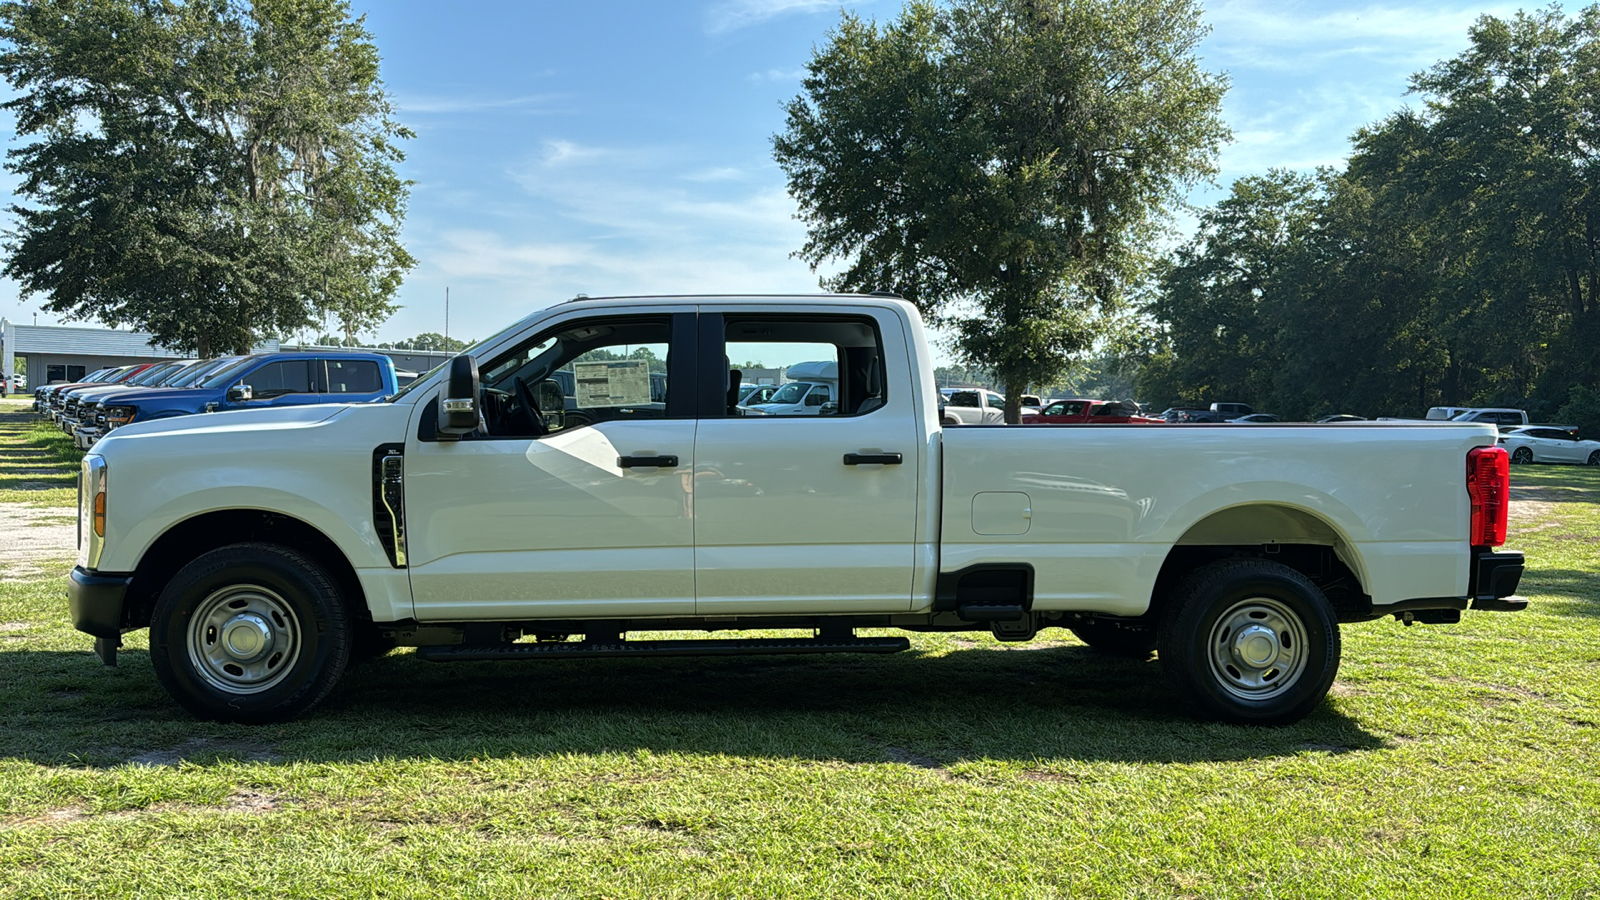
(1090, 412)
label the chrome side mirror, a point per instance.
(239, 393)
(458, 402)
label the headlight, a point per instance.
(119, 415)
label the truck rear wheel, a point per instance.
(1106, 638)
(250, 633)
(1250, 642)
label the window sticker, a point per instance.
(621, 383)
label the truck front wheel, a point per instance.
(250, 633)
(1250, 642)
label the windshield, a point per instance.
(790, 393)
(224, 375)
(192, 375)
(153, 374)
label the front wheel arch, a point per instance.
(187, 540)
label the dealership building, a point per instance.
(56, 353)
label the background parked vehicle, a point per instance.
(814, 384)
(1231, 411)
(94, 421)
(974, 406)
(1340, 417)
(1091, 412)
(1178, 414)
(1256, 419)
(1549, 444)
(269, 379)
(1502, 417)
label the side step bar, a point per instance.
(728, 647)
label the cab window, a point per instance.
(821, 366)
(291, 376)
(578, 374)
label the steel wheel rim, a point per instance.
(244, 639)
(1258, 649)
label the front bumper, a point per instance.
(84, 436)
(95, 601)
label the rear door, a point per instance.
(807, 513)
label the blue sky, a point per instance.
(623, 146)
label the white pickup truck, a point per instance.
(479, 515)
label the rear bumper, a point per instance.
(95, 601)
(1491, 583)
(1495, 577)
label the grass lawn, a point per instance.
(1449, 761)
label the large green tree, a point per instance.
(1454, 261)
(211, 171)
(1001, 163)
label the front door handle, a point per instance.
(869, 459)
(665, 462)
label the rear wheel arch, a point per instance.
(1296, 538)
(190, 539)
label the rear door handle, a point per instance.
(868, 459)
(665, 462)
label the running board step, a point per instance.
(729, 647)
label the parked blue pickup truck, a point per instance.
(253, 382)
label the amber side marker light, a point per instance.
(100, 514)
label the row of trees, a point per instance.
(1454, 261)
(210, 171)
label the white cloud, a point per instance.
(1423, 30)
(424, 104)
(718, 173)
(777, 75)
(731, 15)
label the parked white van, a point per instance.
(812, 385)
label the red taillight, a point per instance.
(1489, 486)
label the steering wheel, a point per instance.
(530, 407)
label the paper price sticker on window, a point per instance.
(621, 383)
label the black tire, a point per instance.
(250, 633)
(1522, 456)
(1594, 458)
(1107, 638)
(1249, 642)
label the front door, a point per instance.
(804, 512)
(550, 512)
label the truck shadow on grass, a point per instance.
(1055, 703)
(1574, 590)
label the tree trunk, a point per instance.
(1014, 391)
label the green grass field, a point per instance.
(1449, 761)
